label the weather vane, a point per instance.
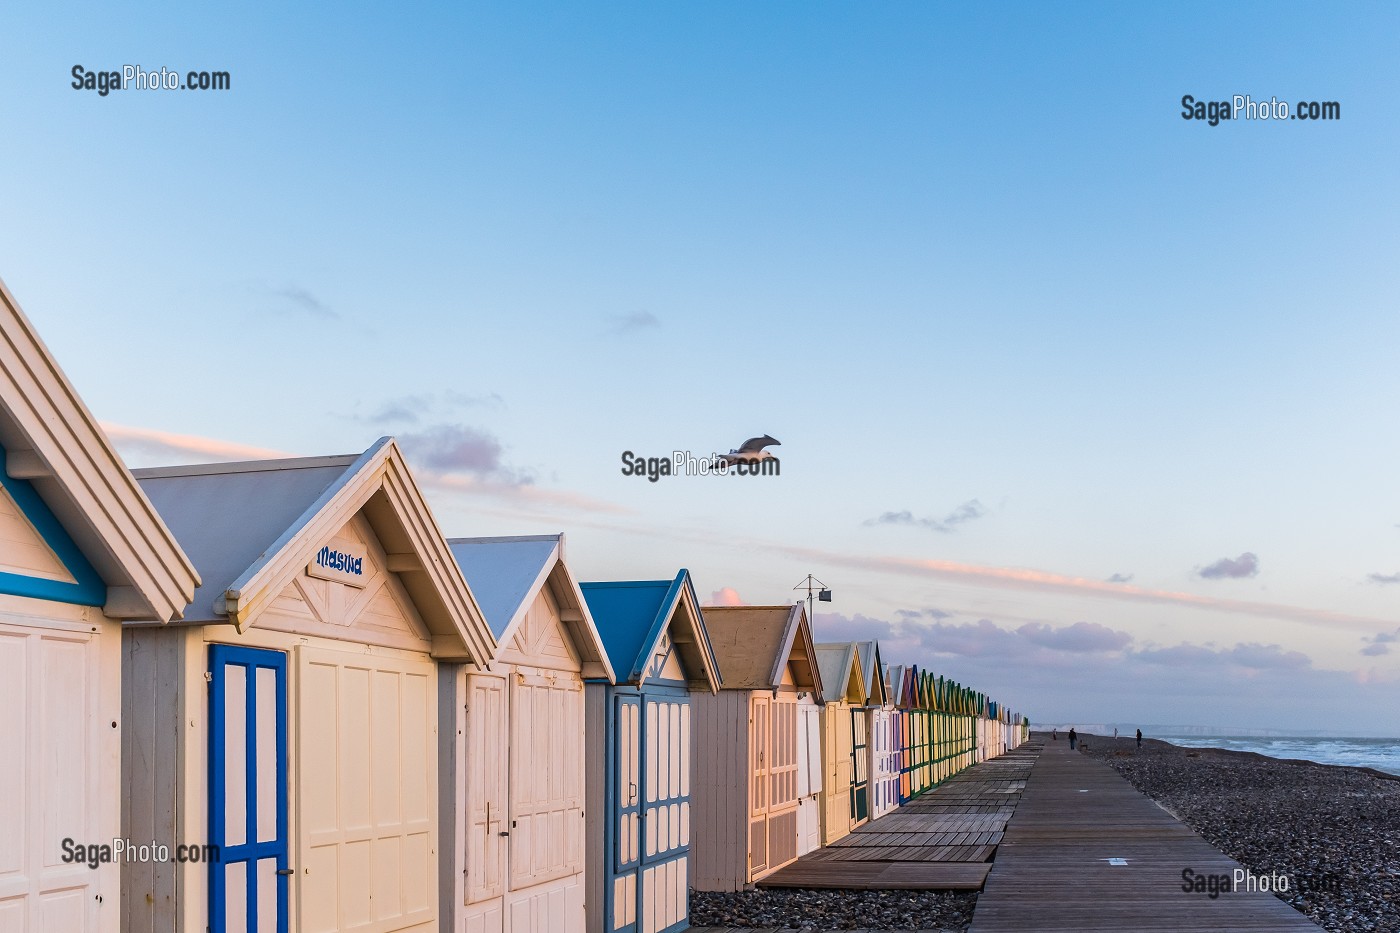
(822, 593)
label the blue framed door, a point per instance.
(665, 863)
(248, 882)
(626, 793)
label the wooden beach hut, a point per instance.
(513, 734)
(748, 743)
(291, 718)
(639, 772)
(845, 761)
(883, 741)
(81, 550)
(899, 699)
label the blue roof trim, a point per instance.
(89, 590)
(632, 615)
(658, 625)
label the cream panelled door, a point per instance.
(366, 792)
(54, 743)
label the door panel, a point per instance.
(367, 791)
(248, 789)
(486, 807)
(664, 887)
(859, 766)
(546, 786)
(53, 783)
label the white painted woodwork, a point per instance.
(58, 710)
(22, 549)
(366, 792)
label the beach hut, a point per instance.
(883, 740)
(845, 761)
(514, 739)
(748, 743)
(291, 718)
(81, 549)
(899, 693)
(638, 779)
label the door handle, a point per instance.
(631, 792)
(504, 833)
(286, 871)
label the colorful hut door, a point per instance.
(759, 755)
(248, 790)
(860, 765)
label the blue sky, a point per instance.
(946, 254)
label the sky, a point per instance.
(1081, 403)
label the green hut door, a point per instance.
(860, 773)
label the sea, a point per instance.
(1381, 754)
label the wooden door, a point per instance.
(665, 859)
(486, 787)
(248, 884)
(760, 725)
(546, 778)
(625, 798)
(366, 793)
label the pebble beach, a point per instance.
(1335, 831)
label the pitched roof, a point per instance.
(53, 444)
(871, 672)
(506, 575)
(840, 672)
(753, 644)
(631, 617)
(252, 527)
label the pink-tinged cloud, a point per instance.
(1048, 582)
(726, 596)
(150, 442)
(158, 448)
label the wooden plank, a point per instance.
(1052, 871)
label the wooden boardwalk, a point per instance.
(942, 840)
(1053, 870)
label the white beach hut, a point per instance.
(748, 746)
(514, 737)
(81, 548)
(882, 745)
(291, 719)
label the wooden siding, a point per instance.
(720, 742)
(22, 549)
(595, 811)
(152, 709)
(380, 613)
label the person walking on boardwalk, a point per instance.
(1139, 745)
(1072, 738)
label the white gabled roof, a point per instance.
(52, 442)
(252, 527)
(506, 575)
(840, 670)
